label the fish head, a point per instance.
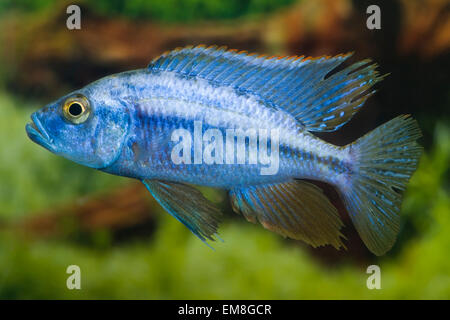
(88, 126)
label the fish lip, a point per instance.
(40, 128)
(37, 133)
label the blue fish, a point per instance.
(245, 123)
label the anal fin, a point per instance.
(294, 209)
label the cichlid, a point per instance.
(226, 119)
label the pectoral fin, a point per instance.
(294, 209)
(188, 206)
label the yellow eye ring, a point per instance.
(76, 109)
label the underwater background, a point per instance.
(55, 213)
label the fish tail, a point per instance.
(383, 162)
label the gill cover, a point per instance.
(110, 135)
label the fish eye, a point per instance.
(76, 109)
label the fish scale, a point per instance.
(169, 107)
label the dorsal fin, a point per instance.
(297, 85)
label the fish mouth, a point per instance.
(37, 133)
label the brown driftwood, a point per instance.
(119, 209)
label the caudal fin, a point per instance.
(384, 161)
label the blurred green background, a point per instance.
(55, 213)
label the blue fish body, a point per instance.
(161, 103)
(207, 116)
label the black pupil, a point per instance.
(75, 109)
